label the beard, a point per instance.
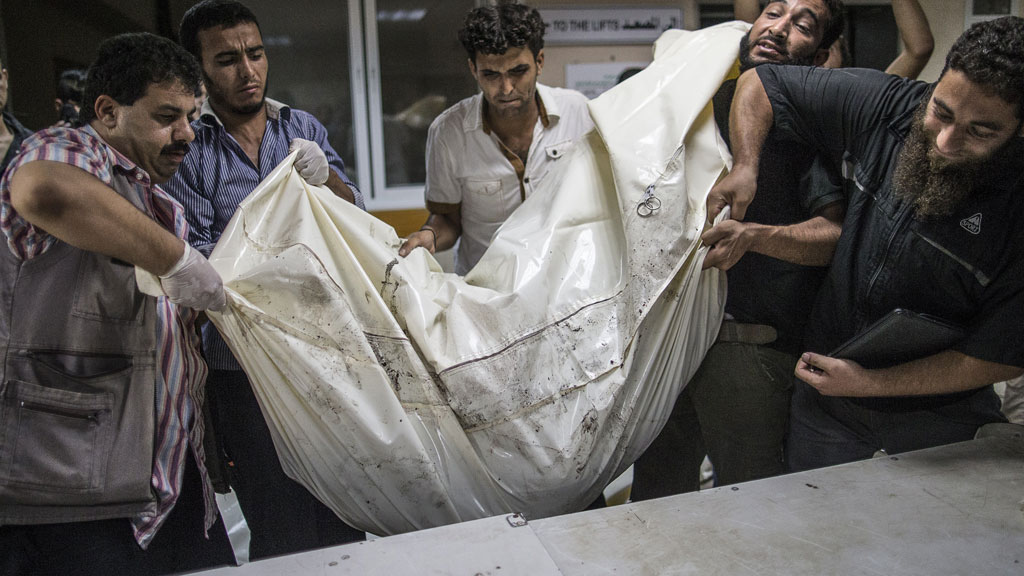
(251, 109)
(934, 185)
(212, 92)
(747, 62)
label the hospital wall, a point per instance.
(945, 16)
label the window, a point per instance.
(417, 68)
(307, 45)
(981, 10)
(375, 84)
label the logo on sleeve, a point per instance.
(972, 224)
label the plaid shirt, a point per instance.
(179, 387)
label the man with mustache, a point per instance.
(735, 408)
(487, 153)
(933, 225)
(241, 136)
(100, 404)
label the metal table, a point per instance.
(956, 509)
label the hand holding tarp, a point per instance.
(311, 161)
(194, 283)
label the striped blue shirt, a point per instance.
(217, 175)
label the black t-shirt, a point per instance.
(791, 187)
(967, 268)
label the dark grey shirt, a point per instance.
(967, 268)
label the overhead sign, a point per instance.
(608, 25)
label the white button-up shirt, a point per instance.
(467, 167)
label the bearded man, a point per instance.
(932, 225)
(735, 408)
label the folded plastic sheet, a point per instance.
(405, 398)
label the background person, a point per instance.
(70, 90)
(12, 133)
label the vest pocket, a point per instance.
(54, 439)
(108, 293)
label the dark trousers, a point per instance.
(825, 431)
(109, 547)
(283, 516)
(734, 410)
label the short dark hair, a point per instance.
(71, 85)
(212, 14)
(127, 64)
(495, 29)
(991, 54)
(835, 25)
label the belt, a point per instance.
(732, 331)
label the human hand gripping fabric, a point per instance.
(736, 190)
(311, 161)
(425, 237)
(728, 241)
(194, 283)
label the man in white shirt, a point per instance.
(487, 153)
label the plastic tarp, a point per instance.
(405, 398)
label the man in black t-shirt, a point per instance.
(933, 224)
(735, 408)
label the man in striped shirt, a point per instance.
(241, 136)
(102, 385)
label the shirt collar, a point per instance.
(275, 111)
(546, 104)
(15, 127)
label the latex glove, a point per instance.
(194, 283)
(311, 161)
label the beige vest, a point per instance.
(77, 389)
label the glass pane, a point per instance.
(423, 71)
(307, 48)
(991, 7)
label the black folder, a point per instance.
(899, 336)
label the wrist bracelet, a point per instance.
(432, 233)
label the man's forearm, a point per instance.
(916, 34)
(339, 187)
(943, 373)
(81, 210)
(750, 120)
(809, 243)
(446, 231)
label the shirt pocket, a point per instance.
(483, 201)
(559, 150)
(553, 154)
